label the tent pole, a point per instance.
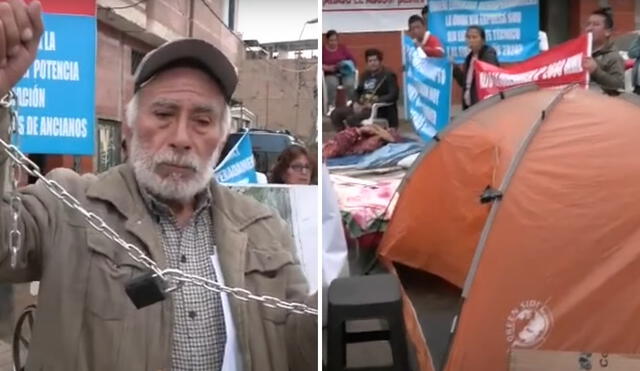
(506, 181)
(454, 326)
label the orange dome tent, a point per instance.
(530, 203)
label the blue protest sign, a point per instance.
(511, 26)
(427, 84)
(239, 166)
(56, 96)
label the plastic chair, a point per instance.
(366, 297)
(373, 118)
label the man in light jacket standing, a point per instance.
(165, 202)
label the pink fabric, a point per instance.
(365, 200)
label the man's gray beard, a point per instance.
(171, 187)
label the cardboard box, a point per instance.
(549, 360)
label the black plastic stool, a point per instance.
(366, 297)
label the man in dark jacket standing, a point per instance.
(377, 85)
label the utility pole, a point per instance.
(190, 30)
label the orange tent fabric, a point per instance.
(560, 266)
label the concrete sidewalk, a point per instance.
(435, 301)
(6, 361)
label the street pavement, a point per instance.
(6, 363)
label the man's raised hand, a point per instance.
(20, 30)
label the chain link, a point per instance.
(174, 277)
(15, 202)
(238, 293)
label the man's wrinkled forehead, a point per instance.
(158, 93)
(184, 64)
(182, 78)
(168, 104)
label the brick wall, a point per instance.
(387, 42)
(624, 15)
(279, 97)
(171, 13)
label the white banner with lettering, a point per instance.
(368, 15)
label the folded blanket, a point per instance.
(356, 141)
(386, 156)
(389, 155)
(365, 202)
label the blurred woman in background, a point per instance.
(477, 42)
(294, 166)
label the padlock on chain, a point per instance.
(147, 289)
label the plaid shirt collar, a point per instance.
(159, 207)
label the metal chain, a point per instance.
(173, 276)
(15, 236)
(10, 101)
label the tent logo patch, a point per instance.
(528, 324)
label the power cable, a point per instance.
(125, 6)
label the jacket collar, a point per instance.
(608, 47)
(426, 37)
(119, 187)
(481, 54)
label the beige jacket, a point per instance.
(86, 322)
(610, 72)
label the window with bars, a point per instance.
(231, 17)
(136, 58)
(109, 145)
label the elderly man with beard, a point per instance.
(164, 201)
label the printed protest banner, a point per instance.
(292, 203)
(511, 26)
(56, 96)
(368, 15)
(427, 84)
(239, 166)
(559, 66)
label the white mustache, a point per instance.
(171, 158)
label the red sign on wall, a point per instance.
(76, 7)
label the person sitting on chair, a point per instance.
(336, 58)
(377, 85)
